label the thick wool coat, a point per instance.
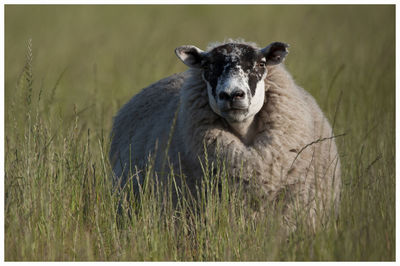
(293, 155)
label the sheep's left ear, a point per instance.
(275, 52)
(190, 55)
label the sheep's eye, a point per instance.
(262, 64)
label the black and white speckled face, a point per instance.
(234, 74)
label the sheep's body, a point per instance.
(281, 158)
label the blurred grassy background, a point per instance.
(117, 50)
(89, 60)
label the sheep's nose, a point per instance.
(233, 96)
(237, 95)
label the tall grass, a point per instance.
(63, 85)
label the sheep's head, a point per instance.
(234, 74)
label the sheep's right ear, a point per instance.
(190, 55)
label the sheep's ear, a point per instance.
(190, 55)
(275, 52)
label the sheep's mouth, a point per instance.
(238, 108)
(235, 109)
(234, 114)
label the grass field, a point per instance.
(68, 69)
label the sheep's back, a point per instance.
(140, 125)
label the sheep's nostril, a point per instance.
(236, 95)
(223, 96)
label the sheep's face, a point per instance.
(234, 74)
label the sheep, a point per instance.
(238, 102)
